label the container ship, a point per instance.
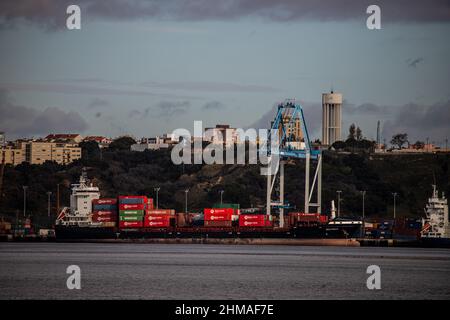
(135, 216)
(436, 227)
(79, 221)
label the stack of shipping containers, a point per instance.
(234, 206)
(105, 211)
(159, 218)
(305, 219)
(22, 227)
(132, 210)
(218, 217)
(254, 220)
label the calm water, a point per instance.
(153, 271)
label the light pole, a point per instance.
(24, 199)
(49, 193)
(221, 195)
(395, 196)
(157, 190)
(186, 200)
(363, 214)
(393, 224)
(339, 202)
(57, 198)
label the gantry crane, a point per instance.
(290, 126)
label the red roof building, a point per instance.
(64, 137)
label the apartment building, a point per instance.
(12, 155)
(103, 142)
(39, 151)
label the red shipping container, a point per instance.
(132, 197)
(218, 214)
(96, 218)
(252, 217)
(305, 217)
(255, 223)
(102, 213)
(213, 223)
(157, 217)
(130, 224)
(161, 211)
(157, 224)
(131, 206)
(105, 201)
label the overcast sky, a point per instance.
(148, 67)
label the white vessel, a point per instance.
(436, 227)
(80, 211)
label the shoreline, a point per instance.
(228, 241)
(336, 242)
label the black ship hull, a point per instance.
(85, 233)
(82, 233)
(435, 242)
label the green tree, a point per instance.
(89, 150)
(122, 143)
(352, 132)
(419, 145)
(399, 140)
(339, 145)
(358, 134)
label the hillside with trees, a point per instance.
(119, 171)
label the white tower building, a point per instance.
(331, 117)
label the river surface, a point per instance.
(159, 271)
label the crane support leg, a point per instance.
(269, 194)
(281, 193)
(319, 185)
(316, 186)
(307, 163)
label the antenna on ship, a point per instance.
(434, 186)
(83, 176)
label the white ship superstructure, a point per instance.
(80, 210)
(436, 223)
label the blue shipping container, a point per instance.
(132, 201)
(104, 207)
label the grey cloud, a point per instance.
(213, 105)
(22, 121)
(211, 86)
(420, 121)
(168, 109)
(97, 102)
(51, 13)
(134, 113)
(366, 109)
(68, 88)
(414, 62)
(164, 109)
(73, 84)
